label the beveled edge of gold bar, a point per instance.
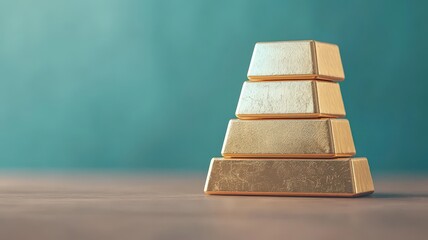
(342, 136)
(287, 156)
(362, 178)
(316, 69)
(359, 177)
(288, 194)
(287, 116)
(260, 78)
(331, 65)
(329, 98)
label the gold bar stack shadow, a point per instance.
(290, 137)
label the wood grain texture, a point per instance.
(168, 206)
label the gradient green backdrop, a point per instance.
(150, 84)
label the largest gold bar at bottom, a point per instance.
(342, 177)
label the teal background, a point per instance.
(150, 84)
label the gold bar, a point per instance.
(346, 177)
(289, 138)
(290, 99)
(296, 60)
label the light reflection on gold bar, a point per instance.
(295, 60)
(347, 177)
(290, 99)
(289, 138)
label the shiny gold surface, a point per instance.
(329, 99)
(294, 177)
(290, 99)
(295, 60)
(289, 138)
(362, 177)
(329, 64)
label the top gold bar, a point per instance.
(294, 60)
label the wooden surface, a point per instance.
(141, 206)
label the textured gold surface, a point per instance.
(295, 60)
(290, 99)
(289, 138)
(295, 177)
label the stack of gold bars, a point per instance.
(290, 137)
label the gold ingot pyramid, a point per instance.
(288, 140)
